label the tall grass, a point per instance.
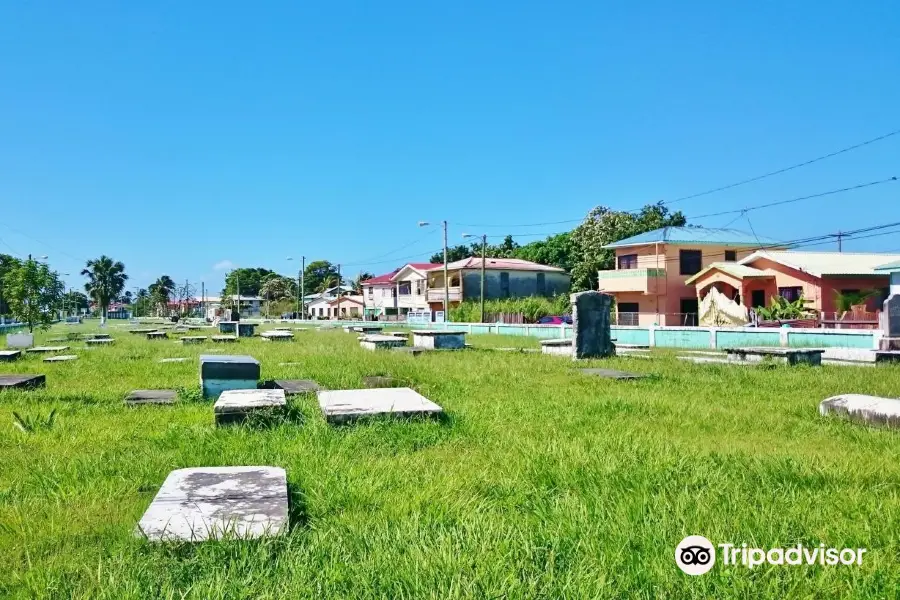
(542, 483)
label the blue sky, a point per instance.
(186, 137)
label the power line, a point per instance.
(784, 170)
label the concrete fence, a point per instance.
(672, 337)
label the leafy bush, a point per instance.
(532, 308)
(782, 309)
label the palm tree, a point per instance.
(106, 280)
(140, 301)
(161, 290)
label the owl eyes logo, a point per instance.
(695, 555)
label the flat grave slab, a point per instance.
(172, 360)
(47, 349)
(157, 335)
(99, 342)
(138, 397)
(380, 381)
(412, 350)
(234, 406)
(872, 410)
(61, 358)
(293, 387)
(887, 356)
(790, 356)
(379, 342)
(399, 334)
(611, 374)
(282, 336)
(193, 339)
(282, 329)
(203, 503)
(560, 347)
(57, 339)
(346, 405)
(22, 381)
(144, 330)
(9, 355)
(224, 339)
(710, 360)
(439, 340)
(366, 328)
(97, 336)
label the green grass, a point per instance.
(540, 484)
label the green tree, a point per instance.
(161, 292)
(74, 302)
(106, 280)
(455, 253)
(319, 276)
(557, 251)
(7, 263)
(141, 306)
(250, 281)
(33, 292)
(363, 276)
(604, 226)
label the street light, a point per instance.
(483, 261)
(446, 281)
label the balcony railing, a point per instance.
(437, 294)
(646, 281)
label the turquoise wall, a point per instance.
(679, 337)
(738, 338)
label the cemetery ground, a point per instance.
(539, 482)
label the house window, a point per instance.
(371, 292)
(420, 287)
(791, 294)
(504, 285)
(690, 261)
(730, 255)
(627, 261)
(405, 288)
(628, 307)
(541, 284)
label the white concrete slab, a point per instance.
(172, 360)
(61, 358)
(344, 405)
(205, 503)
(378, 342)
(235, 405)
(19, 340)
(872, 410)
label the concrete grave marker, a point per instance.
(611, 374)
(172, 360)
(151, 397)
(9, 355)
(413, 351)
(560, 347)
(234, 406)
(283, 336)
(224, 339)
(293, 387)
(157, 335)
(227, 326)
(380, 342)
(61, 358)
(47, 349)
(193, 339)
(439, 340)
(872, 410)
(19, 340)
(22, 381)
(99, 342)
(205, 503)
(591, 333)
(246, 329)
(346, 405)
(221, 373)
(789, 356)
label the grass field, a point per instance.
(541, 483)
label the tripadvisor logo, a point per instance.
(696, 555)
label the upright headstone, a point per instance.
(20, 340)
(590, 325)
(891, 316)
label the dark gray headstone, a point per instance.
(150, 397)
(611, 374)
(591, 325)
(293, 387)
(22, 381)
(228, 367)
(892, 315)
(9, 355)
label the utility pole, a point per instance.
(338, 313)
(303, 287)
(839, 236)
(483, 260)
(237, 277)
(446, 281)
(203, 299)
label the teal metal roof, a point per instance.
(697, 236)
(891, 266)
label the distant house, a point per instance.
(317, 304)
(650, 278)
(504, 278)
(379, 295)
(346, 307)
(818, 277)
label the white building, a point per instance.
(412, 282)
